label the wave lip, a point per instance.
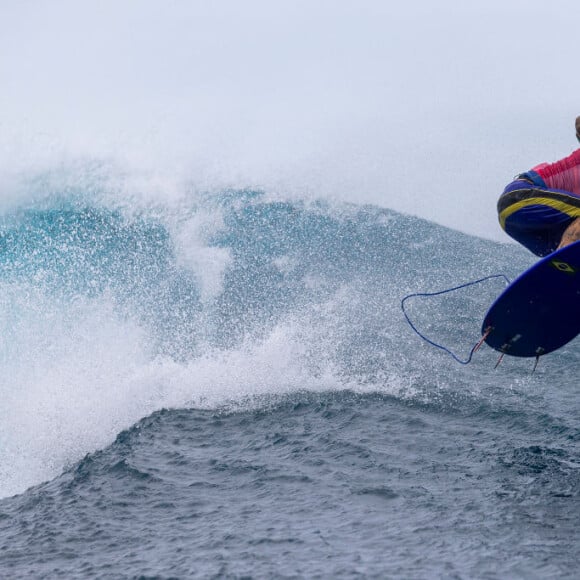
(111, 313)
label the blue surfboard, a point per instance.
(538, 312)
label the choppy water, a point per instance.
(226, 387)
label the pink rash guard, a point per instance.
(564, 174)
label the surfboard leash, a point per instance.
(478, 344)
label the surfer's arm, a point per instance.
(571, 234)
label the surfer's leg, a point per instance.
(571, 234)
(538, 217)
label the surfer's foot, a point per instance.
(578, 128)
(571, 233)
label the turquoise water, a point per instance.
(227, 387)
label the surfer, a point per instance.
(540, 209)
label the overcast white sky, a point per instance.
(424, 107)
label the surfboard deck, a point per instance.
(538, 312)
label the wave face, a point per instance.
(255, 320)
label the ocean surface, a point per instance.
(224, 386)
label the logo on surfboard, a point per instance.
(563, 267)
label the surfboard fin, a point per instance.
(536, 363)
(485, 335)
